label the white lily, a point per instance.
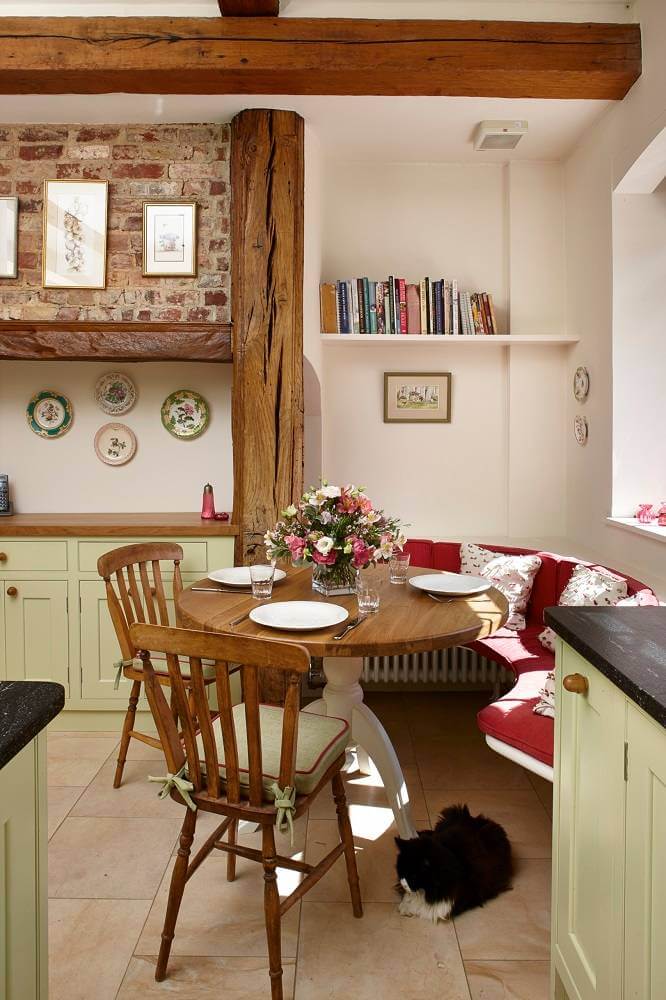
(324, 545)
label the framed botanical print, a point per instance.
(170, 239)
(417, 397)
(74, 246)
(8, 237)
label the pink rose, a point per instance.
(295, 546)
(362, 553)
(324, 560)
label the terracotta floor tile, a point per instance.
(249, 836)
(508, 980)
(143, 751)
(368, 790)
(381, 955)
(73, 771)
(204, 979)
(220, 918)
(136, 797)
(468, 766)
(516, 925)
(90, 944)
(61, 798)
(519, 811)
(90, 746)
(110, 858)
(544, 790)
(375, 859)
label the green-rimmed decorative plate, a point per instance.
(185, 414)
(49, 414)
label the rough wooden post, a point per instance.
(267, 180)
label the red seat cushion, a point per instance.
(512, 719)
(519, 651)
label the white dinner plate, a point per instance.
(299, 616)
(239, 576)
(451, 584)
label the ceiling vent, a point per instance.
(499, 135)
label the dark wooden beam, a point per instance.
(249, 8)
(317, 56)
(58, 341)
(267, 182)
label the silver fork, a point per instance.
(441, 600)
(354, 623)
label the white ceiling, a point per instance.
(388, 129)
(533, 10)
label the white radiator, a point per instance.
(455, 666)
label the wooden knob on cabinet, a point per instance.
(3, 557)
(576, 684)
(12, 591)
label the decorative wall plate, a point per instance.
(115, 393)
(581, 383)
(185, 414)
(115, 444)
(49, 414)
(581, 429)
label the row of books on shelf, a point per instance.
(434, 306)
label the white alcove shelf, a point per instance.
(439, 340)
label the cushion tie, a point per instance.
(119, 666)
(285, 802)
(178, 781)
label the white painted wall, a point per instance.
(64, 474)
(598, 163)
(498, 469)
(313, 362)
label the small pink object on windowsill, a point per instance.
(646, 513)
(208, 504)
(661, 515)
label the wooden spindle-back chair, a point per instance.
(135, 593)
(232, 761)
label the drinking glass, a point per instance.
(398, 566)
(262, 581)
(368, 599)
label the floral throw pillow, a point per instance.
(589, 586)
(546, 703)
(512, 575)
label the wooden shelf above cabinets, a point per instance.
(59, 341)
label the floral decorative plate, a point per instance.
(581, 384)
(115, 444)
(581, 429)
(115, 393)
(185, 414)
(49, 414)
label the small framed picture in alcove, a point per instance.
(417, 397)
(170, 239)
(8, 237)
(74, 237)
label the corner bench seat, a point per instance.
(510, 724)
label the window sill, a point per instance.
(632, 524)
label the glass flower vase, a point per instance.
(331, 581)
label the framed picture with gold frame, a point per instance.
(417, 397)
(74, 237)
(170, 239)
(8, 237)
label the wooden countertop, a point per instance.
(188, 524)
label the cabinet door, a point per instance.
(588, 833)
(645, 873)
(99, 646)
(36, 631)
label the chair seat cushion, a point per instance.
(519, 651)
(512, 719)
(321, 740)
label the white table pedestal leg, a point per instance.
(343, 698)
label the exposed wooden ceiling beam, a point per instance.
(249, 8)
(317, 56)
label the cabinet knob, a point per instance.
(12, 591)
(576, 684)
(3, 557)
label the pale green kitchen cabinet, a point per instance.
(36, 631)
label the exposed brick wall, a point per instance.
(141, 162)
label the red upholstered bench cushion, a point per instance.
(512, 719)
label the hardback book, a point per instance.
(413, 309)
(429, 321)
(476, 318)
(328, 308)
(361, 306)
(366, 305)
(355, 319)
(387, 308)
(439, 306)
(423, 306)
(402, 298)
(372, 297)
(493, 318)
(463, 314)
(487, 319)
(455, 324)
(470, 317)
(446, 307)
(379, 306)
(343, 306)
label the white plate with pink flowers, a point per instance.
(239, 576)
(451, 584)
(299, 616)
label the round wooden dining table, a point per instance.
(408, 621)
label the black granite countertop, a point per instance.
(26, 707)
(628, 645)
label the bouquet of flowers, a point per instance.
(336, 529)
